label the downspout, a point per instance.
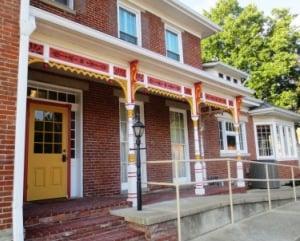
(27, 26)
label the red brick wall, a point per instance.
(98, 14)
(9, 47)
(191, 50)
(153, 33)
(285, 172)
(158, 140)
(101, 141)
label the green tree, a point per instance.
(263, 46)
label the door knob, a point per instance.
(64, 157)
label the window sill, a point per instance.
(233, 154)
(60, 6)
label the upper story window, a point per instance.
(221, 75)
(228, 137)
(129, 25)
(173, 44)
(67, 3)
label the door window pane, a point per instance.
(44, 138)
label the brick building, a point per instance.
(74, 77)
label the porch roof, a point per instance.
(130, 52)
(266, 109)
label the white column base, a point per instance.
(199, 190)
(240, 174)
(132, 188)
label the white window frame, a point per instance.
(180, 47)
(225, 151)
(276, 154)
(138, 20)
(286, 155)
(124, 186)
(187, 149)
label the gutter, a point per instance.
(198, 74)
(276, 110)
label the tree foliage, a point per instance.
(263, 46)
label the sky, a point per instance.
(264, 5)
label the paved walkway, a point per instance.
(281, 224)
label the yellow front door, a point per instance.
(47, 151)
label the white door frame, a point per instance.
(186, 151)
(76, 165)
(124, 185)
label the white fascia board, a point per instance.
(226, 66)
(197, 74)
(193, 14)
(276, 111)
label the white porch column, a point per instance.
(199, 190)
(239, 164)
(131, 170)
(202, 152)
(27, 26)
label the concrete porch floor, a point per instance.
(280, 224)
(164, 211)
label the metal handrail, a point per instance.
(229, 179)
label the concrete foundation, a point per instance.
(201, 215)
(6, 235)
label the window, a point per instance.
(67, 3)
(179, 145)
(221, 75)
(228, 137)
(264, 140)
(128, 25)
(228, 78)
(285, 141)
(173, 44)
(235, 81)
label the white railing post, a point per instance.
(240, 174)
(177, 202)
(294, 184)
(230, 192)
(268, 186)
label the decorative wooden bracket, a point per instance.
(198, 94)
(133, 78)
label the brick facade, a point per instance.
(191, 50)
(153, 33)
(101, 141)
(9, 44)
(102, 16)
(97, 14)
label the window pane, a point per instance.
(241, 137)
(172, 42)
(285, 140)
(221, 136)
(231, 142)
(279, 142)
(64, 2)
(291, 144)
(127, 26)
(264, 139)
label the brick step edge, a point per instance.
(122, 234)
(71, 215)
(74, 227)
